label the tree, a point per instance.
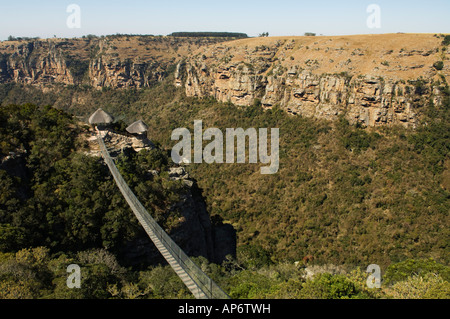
(328, 286)
(11, 238)
(25, 274)
(439, 65)
(405, 269)
(429, 286)
(446, 40)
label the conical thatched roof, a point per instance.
(137, 127)
(100, 117)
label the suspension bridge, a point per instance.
(199, 284)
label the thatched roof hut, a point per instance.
(100, 117)
(138, 127)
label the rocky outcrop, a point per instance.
(218, 238)
(115, 73)
(197, 235)
(34, 63)
(323, 79)
(112, 61)
(45, 63)
(118, 142)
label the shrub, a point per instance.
(253, 256)
(78, 68)
(446, 40)
(429, 286)
(356, 138)
(405, 269)
(328, 286)
(419, 86)
(439, 65)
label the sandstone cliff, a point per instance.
(33, 62)
(112, 61)
(372, 79)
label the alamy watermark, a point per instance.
(74, 279)
(214, 151)
(374, 279)
(74, 19)
(374, 19)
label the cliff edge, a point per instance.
(372, 79)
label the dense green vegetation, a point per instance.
(446, 40)
(344, 195)
(36, 273)
(57, 197)
(77, 68)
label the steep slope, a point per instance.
(119, 61)
(373, 79)
(54, 195)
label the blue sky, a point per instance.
(283, 17)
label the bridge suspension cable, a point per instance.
(200, 285)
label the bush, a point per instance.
(253, 256)
(356, 138)
(78, 68)
(419, 87)
(163, 283)
(439, 65)
(446, 40)
(251, 285)
(405, 269)
(429, 286)
(328, 286)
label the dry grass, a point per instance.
(400, 56)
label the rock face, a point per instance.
(44, 62)
(217, 239)
(112, 72)
(198, 236)
(323, 77)
(34, 62)
(112, 61)
(118, 142)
